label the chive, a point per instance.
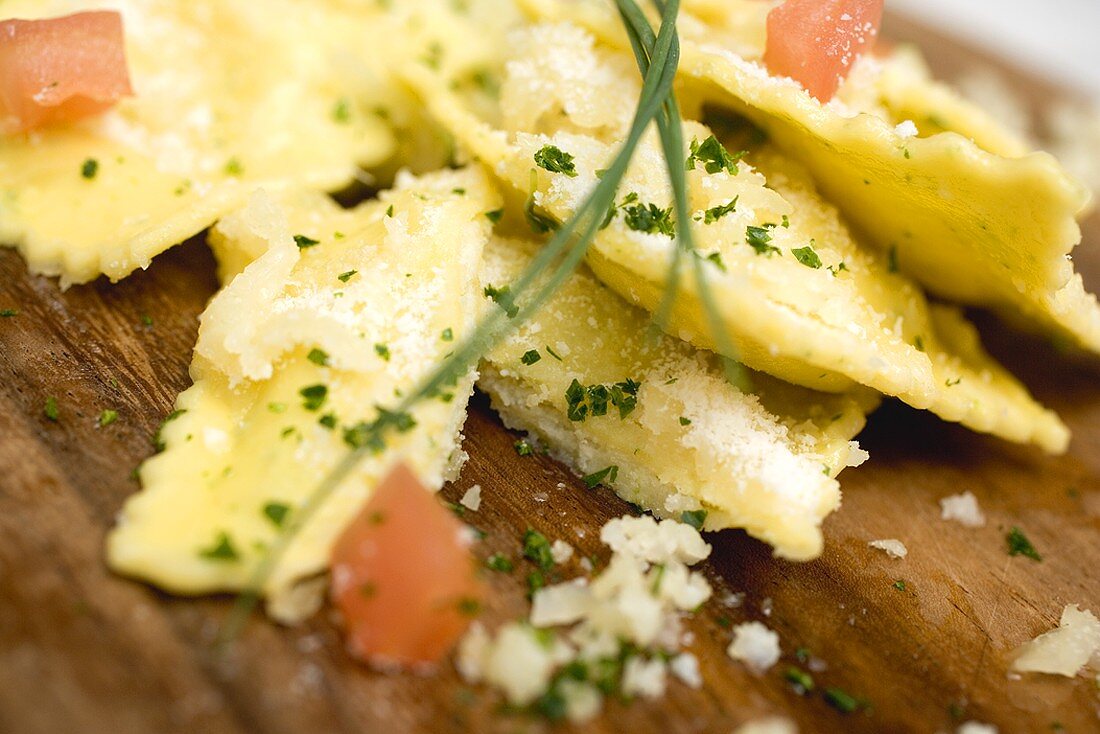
(503, 298)
(606, 475)
(802, 681)
(841, 701)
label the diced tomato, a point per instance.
(815, 42)
(60, 69)
(403, 576)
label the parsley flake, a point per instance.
(536, 548)
(499, 562)
(530, 357)
(448, 335)
(758, 238)
(650, 218)
(8, 313)
(276, 512)
(1019, 545)
(841, 701)
(51, 409)
(89, 168)
(382, 351)
(341, 111)
(313, 397)
(553, 159)
(303, 242)
(712, 215)
(345, 277)
(694, 518)
(107, 417)
(523, 448)
(222, 550)
(807, 256)
(495, 215)
(318, 357)
(713, 155)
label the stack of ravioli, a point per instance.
(821, 244)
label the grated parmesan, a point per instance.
(893, 547)
(755, 645)
(1064, 650)
(769, 725)
(963, 509)
(472, 499)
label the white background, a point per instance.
(1059, 39)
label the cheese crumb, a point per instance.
(685, 666)
(907, 129)
(755, 645)
(769, 725)
(976, 727)
(893, 547)
(963, 509)
(655, 542)
(561, 551)
(472, 499)
(1064, 650)
(645, 678)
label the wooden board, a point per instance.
(82, 650)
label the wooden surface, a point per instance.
(82, 650)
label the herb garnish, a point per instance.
(107, 417)
(318, 357)
(603, 476)
(276, 512)
(1019, 545)
(650, 218)
(222, 550)
(807, 256)
(712, 215)
(694, 518)
(51, 409)
(345, 277)
(758, 238)
(593, 400)
(303, 242)
(555, 160)
(713, 155)
(536, 548)
(89, 168)
(530, 357)
(313, 397)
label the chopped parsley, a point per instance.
(277, 407)
(341, 111)
(51, 410)
(593, 400)
(448, 335)
(89, 168)
(694, 518)
(107, 417)
(318, 357)
(8, 313)
(807, 256)
(685, 421)
(222, 550)
(502, 297)
(712, 215)
(276, 512)
(303, 242)
(892, 259)
(918, 343)
(499, 562)
(345, 277)
(523, 448)
(233, 167)
(603, 476)
(530, 357)
(713, 155)
(650, 218)
(841, 701)
(899, 585)
(328, 420)
(538, 220)
(716, 258)
(1019, 545)
(469, 606)
(495, 216)
(313, 397)
(147, 320)
(555, 160)
(382, 351)
(758, 238)
(536, 548)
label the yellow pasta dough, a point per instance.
(800, 299)
(340, 312)
(764, 460)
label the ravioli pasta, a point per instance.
(801, 300)
(302, 345)
(987, 227)
(230, 95)
(765, 461)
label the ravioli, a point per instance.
(799, 297)
(230, 95)
(980, 227)
(765, 461)
(340, 314)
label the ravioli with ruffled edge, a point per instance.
(799, 297)
(339, 313)
(981, 222)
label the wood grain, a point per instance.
(82, 650)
